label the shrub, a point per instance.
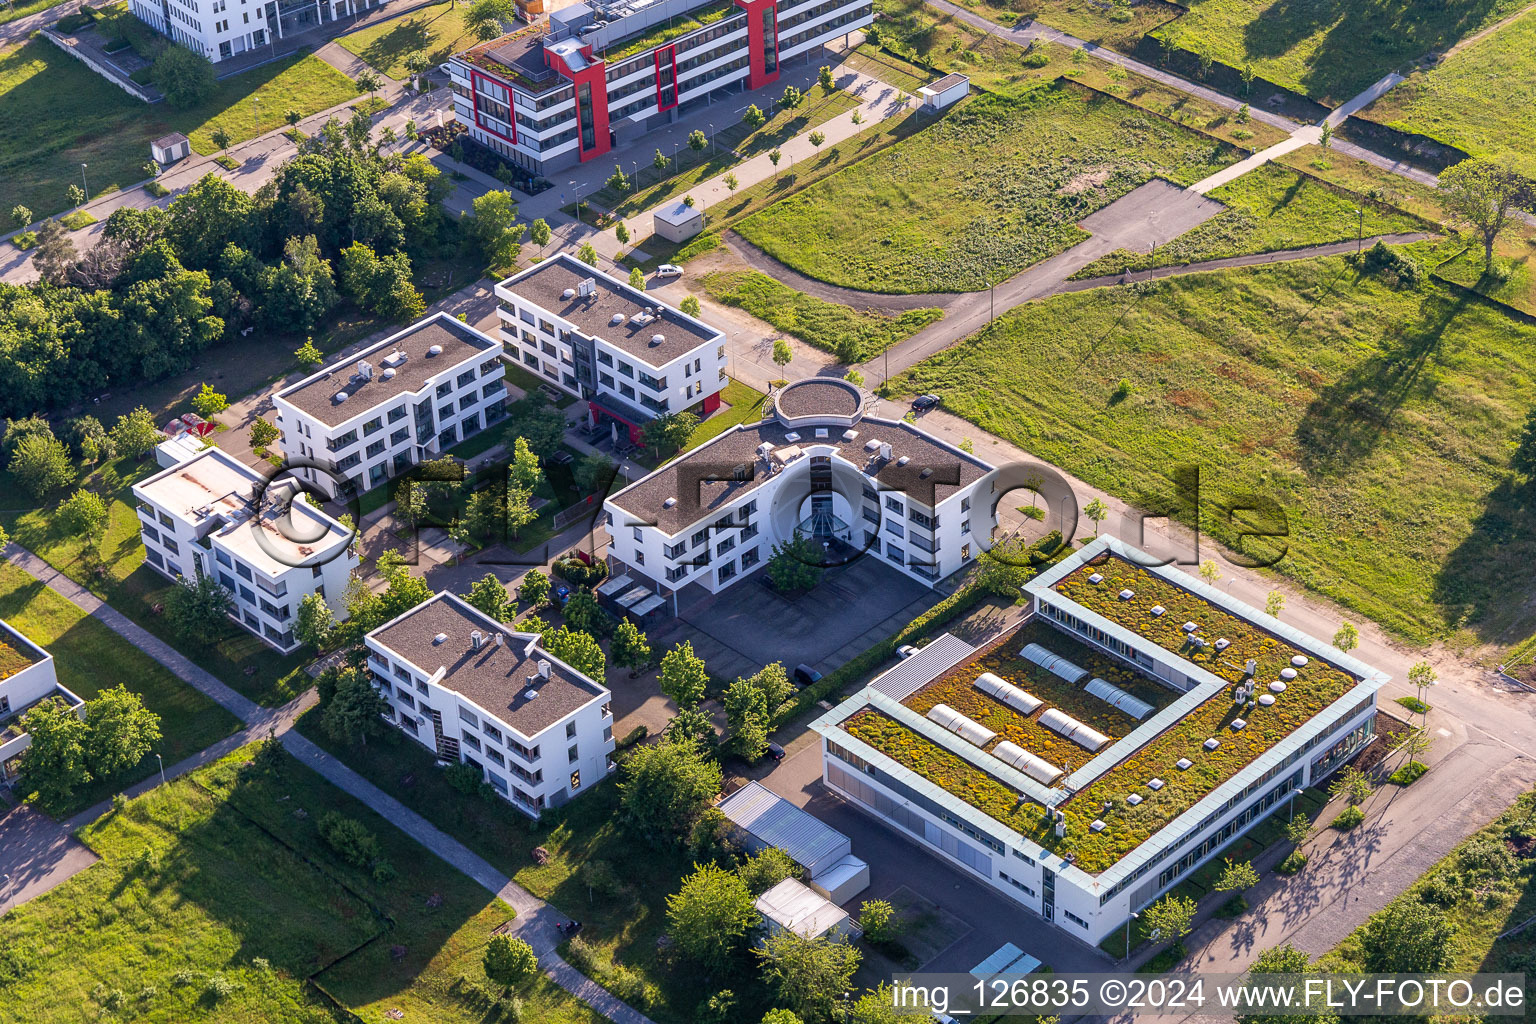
(1293, 863)
(219, 988)
(1408, 774)
(24, 240)
(1414, 705)
(574, 570)
(1347, 820)
(464, 777)
(634, 736)
(350, 839)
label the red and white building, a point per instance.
(604, 73)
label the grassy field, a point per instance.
(743, 404)
(55, 114)
(1486, 886)
(734, 143)
(1481, 99)
(1512, 280)
(1328, 49)
(90, 658)
(853, 335)
(216, 900)
(1019, 173)
(113, 568)
(1086, 19)
(23, 8)
(1382, 421)
(438, 31)
(1268, 209)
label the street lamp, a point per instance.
(83, 183)
(1294, 794)
(711, 139)
(1128, 921)
(161, 762)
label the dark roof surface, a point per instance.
(819, 397)
(700, 499)
(494, 677)
(316, 396)
(947, 82)
(545, 283)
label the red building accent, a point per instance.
(666, 78)
(475, 79)
(761, 54)
(591, 84)
(711, 403)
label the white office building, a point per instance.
(1121, 737)
(212, 515)
(27, 678)
(469, 689)
(220, 29)
(818, 467)
(405, 400)
(631, 356)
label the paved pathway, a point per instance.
(535, 919)
(17, 31)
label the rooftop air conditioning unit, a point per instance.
(544, 667)
(476, 638)
(885, 452)
(365, 369)
(586, 287)
(395, 358)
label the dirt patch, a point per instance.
(1082, 181)
(1192, 400)
(1389, 731)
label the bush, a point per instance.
(1408, 774)
(1232, 908)
(24, 239)
(1347, 820)
(350, 839)
(464, 777)
(1293, 863)
(1391, 264)
(574, 570)
(1415, 705)
(185, 77)
(635, 735)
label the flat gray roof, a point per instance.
(316, 395)
(545, 285)
(496, 677)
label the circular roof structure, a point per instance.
(819, 400)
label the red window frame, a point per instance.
(671, 54)
(474, 105)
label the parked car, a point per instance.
(776, 752)
(905, 651)
(669, 270)
(805, 675)
(446, 68)
(562, 458)
(925, 402)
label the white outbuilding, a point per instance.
(678, 222)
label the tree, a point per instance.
(754, 117)
(519, 509)
(1274, 604)
(539, 233)
(824, 76)
(1353, 785)
(782, 354)
(1326, 138)
(54, 254)
(208, 402)
(630, 648)
(660, 161)
(817, 138)
(368, 82)
(683, 676)
(220, 137)
(665, 787)
(292, 116)
(618, 180)
(1484, 194)
(878, 920)
(355, 709)
(1236, 877)
(186, 78)
(792, 98)
(524, 470)
(1288, 960)
(54, 764)
(587, 254)
(488, 19)
(710, 915)
(1097, 511)
(1347, 638)
(1209, 571)
(692, 725)
(578, 650)
(1247, 77)
(689, 305)
(120, 731)
(1168, 919)
(670, 431)
(583, 612)
(637, 279)
(509, 962)
(808, 974)
(197, 610)
(90, 439)
(746, 716)
(795, 564)
(1298, 828)
(135, 434)
(21, 216)
(594, 473)
(418, 64)
(494, 227)
(263, 433)
(76, 194)
(534, 589)
(490, 596)
(781, 1017)
(621, 233)
(314, 622)
(84, 514)
(1422, 676)
(697, 140)
(307, 354)
(1408, 937)
(766, 869)
(775, 684)
(40, 463)
(774, 156)
(381, 284)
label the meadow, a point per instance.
(437, 31)
(1382, 418)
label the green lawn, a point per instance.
(1481, 99)
(23, 8)
(1089, 20)
(853, 335)
(1268, 209)
(1328, 49)
(438, 31)
(1017, 176)
(1512, 279)
(222, 875)
(90, 658)
(1383, 421)
(55, 114)
(113, 568)
(743, 404)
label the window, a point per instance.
(222, 557)
(575, 780)
(466, 378)
(468, 716)
(725, 545)
(443, 388)
(472, 742)
(397, 414)
(373, 426)
(1075, 919)
(895, 528)
(770, 39)
(700, 537)
(570, 730)
(490, 731)
(495, 756)
(749, 558)
(243, 569)
(572, 755)
(893, 504)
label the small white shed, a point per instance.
(790, 906)
(947, 91)
(168, 149)
(678, 222)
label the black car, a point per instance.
(925, 402)
(776, 752)
(805, 675)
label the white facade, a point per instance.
(600, 346)
(220, 29)
(679, 221)
(1088, 906)
(679, 526)
(212, 515)
(397, 403)
(466, 698)
(27, 677)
